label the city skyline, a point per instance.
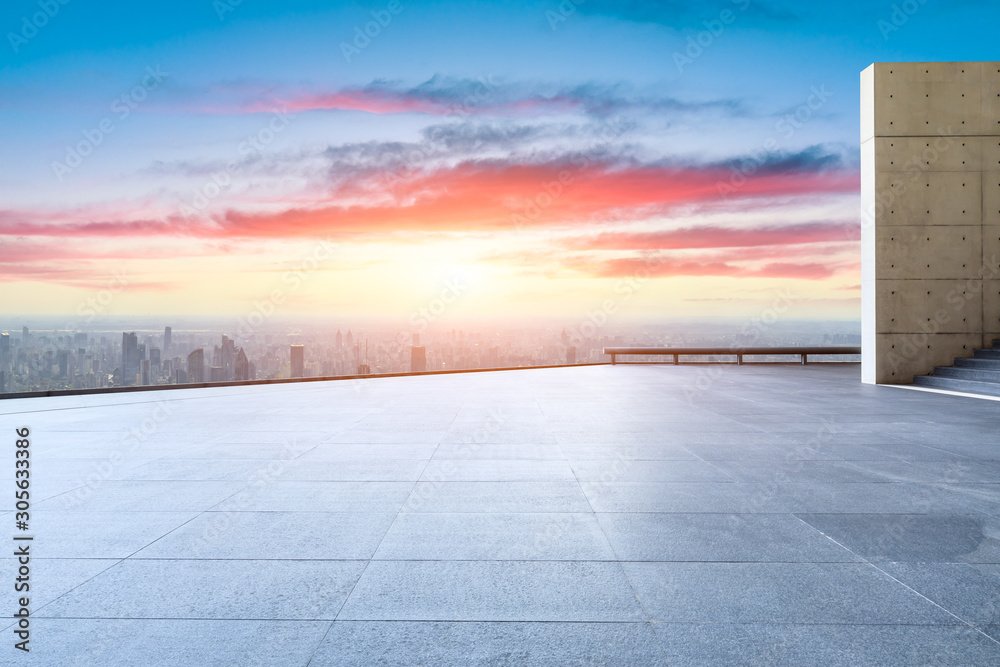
(53, 359)
(370, 160)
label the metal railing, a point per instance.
(739, 353)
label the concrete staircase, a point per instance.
(978, 375)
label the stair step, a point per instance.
(953, 384)
(958, 372)
(982, 364)
(987, 354)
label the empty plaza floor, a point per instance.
(620, 515)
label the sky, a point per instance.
(651, 160)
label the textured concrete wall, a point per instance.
(930, 198)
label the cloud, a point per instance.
(473, 196)
(711, 236)
(660, 267)
(487, 96)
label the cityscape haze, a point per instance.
(43, 357)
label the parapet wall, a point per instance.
(930, 215)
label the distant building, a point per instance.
(180, 376)
(570, 355)
(144, 374)
(350, 339)
(416, 339)
(298, 360)
(228, 356)
(196, 366)
(3, 382)
(216, 374)
(242, 370)
(130, 358)
(4, 351)
(154, 359)
(418, 359)
(340, 339)
(166, 339)
(62, 358)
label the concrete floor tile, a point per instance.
(551, 536)
(239, 589)
(274, 536)
(841, 593)
(492, 591)
(403, 643)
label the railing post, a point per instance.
(677, 359)
(612, 359)
(739, 359)
(804, 359)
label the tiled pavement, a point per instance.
(623, 515)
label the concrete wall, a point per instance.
(930, 223)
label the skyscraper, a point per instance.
(298, 361)
(571, 355)
(196, 366)
(4, 351)
(130, 358)
(62, 358)
(166, 339)
(242, 370)
(228, 356)
(418, 359)
(340, 339)
(350, 339)
(144, 376)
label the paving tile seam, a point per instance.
(59, 597)
(907, 587)
(607, 540)
(381, 541)
(496, 560)
(402, 620)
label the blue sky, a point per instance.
(615, 84)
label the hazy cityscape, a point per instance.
(43, 357)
